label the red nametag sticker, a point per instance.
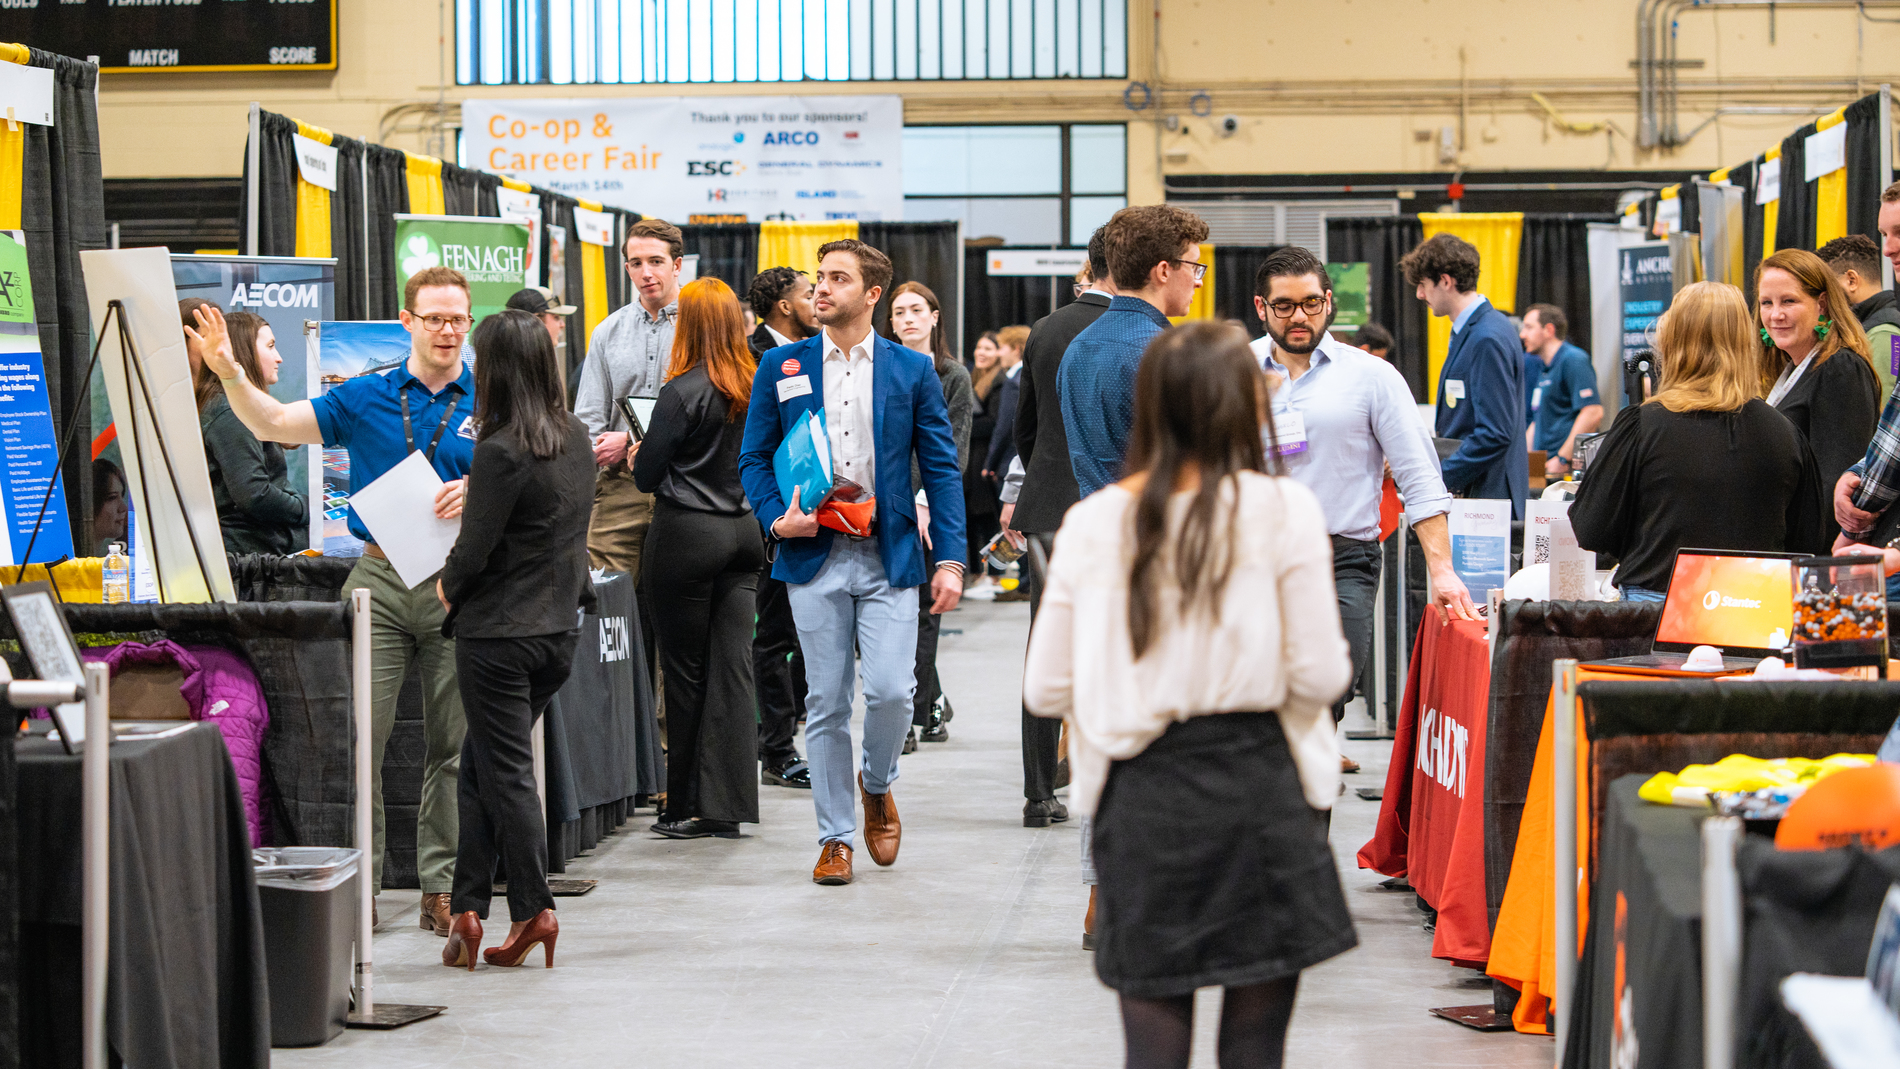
(790, 366)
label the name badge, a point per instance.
(1289, 434)
(1537, 398)
(1454, 392)
(1893, 345)
(796, 386)
(467, 429)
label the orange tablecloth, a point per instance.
(1431, 820)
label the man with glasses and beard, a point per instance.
(1341, 415)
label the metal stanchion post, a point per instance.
(367, 1013)
(1721, 940)
(1405, 621)
(95, 782)
(1564, 734)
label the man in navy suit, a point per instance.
(882, 403)
(1481, 387)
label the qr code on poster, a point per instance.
(1540, 548)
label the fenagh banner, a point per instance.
(491, 253)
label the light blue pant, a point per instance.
(851, 602)
(1637, 593)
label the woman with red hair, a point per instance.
(702, 560)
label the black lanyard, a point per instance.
(409, 435)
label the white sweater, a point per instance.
(1277, 643)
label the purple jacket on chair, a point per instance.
(219, 686)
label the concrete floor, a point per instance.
(966, 953)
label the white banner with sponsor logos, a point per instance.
(780, 157)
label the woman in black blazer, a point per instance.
(512, 587)
(702, 560)
(1815, 366)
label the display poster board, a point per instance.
(154, 404)
(27, 440)
(141, 36)
(344, 351)
(287, 293)
(1647, 282)
(491, 253)
(743, 157)
(1481, 544)
(1352, 295)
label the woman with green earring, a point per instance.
(1806, 322)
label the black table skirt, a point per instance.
(186, 986)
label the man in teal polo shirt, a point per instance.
(427, 404)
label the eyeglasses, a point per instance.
(1199, 267)
(1283, 309)
(435, 324)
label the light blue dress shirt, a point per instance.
(1458, 322)
(1359, 416)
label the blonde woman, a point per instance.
(1705, 463)
(1189, 635)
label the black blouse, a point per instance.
(691, 453)
(1835, 407)
(1664, 481)
(250, 483)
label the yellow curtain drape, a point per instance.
(1770, 212)
(517, 186)
(593, 281)
(1203, 306)
(1830, 214)
(795, 244)
(313, 205)
(80, 579)
(1497, 236)
(425, 184)
(12, 151)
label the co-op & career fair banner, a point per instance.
(821, 157)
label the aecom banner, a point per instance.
(823, 157)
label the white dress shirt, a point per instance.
(1274, 645)
(777, 338)
(848, 411)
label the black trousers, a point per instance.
(778, 672)
(929, 687)
(506, 685)
(1356, 581)
(1041, 734)
(701, 570)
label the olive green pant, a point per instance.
(406, 626)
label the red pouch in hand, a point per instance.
(849, 508)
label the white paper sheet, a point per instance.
(1826, 151)
(399, 510)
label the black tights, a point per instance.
(1253, 1020)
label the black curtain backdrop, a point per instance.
(1752, 221)
(1234, 270)
(926, 253)
(1794, 228)
(1379, 243)
(1864, 180)
(277, 187)
(62, 211)
(348, 243)
(388, 196)
(1691, 210)
(994, 302)
(1553, 267)
(728, 252)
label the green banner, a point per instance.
(491, 253)
(1352, 295)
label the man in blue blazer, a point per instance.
(1481, 388)
(882, 403)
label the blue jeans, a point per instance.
(851, 602)
(1893, 587)
(1637, 593)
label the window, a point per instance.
(1029, 185)
(574, 42)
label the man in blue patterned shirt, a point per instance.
(1154, 257)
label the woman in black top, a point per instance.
(1705, 463)
(250, 481)
(980, 509)
(1815, 367)
(703, 556)
(511, 589)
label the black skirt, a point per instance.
(1214, 871)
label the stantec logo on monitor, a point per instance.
(1715, 599)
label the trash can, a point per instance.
(309, 899)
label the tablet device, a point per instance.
(50, 649)
(639, 414)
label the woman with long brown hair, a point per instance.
(1189, 635)
(1705, 462)
(1815, 365)
(258, 511)
(980, 508)
(702, 561)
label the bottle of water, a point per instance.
(118, 578)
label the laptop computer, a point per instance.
(1740, 602)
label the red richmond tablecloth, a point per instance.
(1431, 821)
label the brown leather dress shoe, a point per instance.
(834, 864)
(435, 914)
(882, 830)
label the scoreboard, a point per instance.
(131, 36)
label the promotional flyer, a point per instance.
(26, 421)
(833, 157)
